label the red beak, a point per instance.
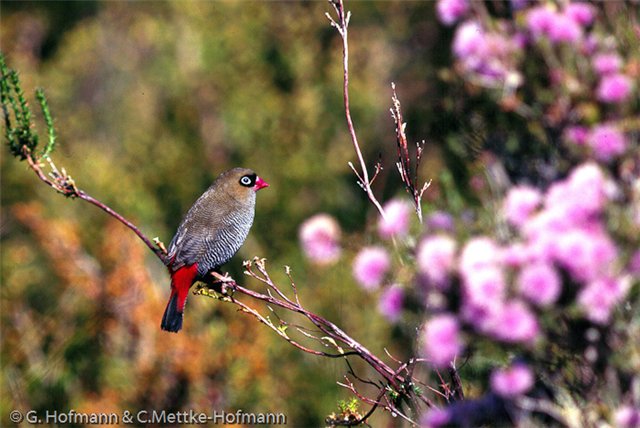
(260, 184)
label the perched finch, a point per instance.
(214, 228)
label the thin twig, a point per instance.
(403, 164)
(65, 185)
(341, 25)
(329, 328)
(457, 392)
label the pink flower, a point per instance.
(397, 220)
(607, 142)
(599, 297)
(442, 341)
(539, 283)
(370, 267)
(614, 88)
(450, 11)
(580, 13)
(586, 254)
(606, 63)
(540, 20)
(588, 188)
(320, 236)
(576, 135)
(435, 258)
(512, 381)
(390, 303)
(468, 38)
(514, 322)
(489, 57)
(541, 228)
(576, 199)
(479, 252)
(564, 29)
(484, 287)
(627, 417)
(520, 202)
(558, 27)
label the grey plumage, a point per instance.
(216, 226)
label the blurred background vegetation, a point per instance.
(152, 100)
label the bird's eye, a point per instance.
(246, 181)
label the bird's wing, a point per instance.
(187, 245)
(208, 248)
(187, 248)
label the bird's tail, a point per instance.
(172, 318)
(181, 281)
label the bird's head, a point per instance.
(241, 182)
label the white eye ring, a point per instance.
(245, 181)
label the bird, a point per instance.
(212, 231)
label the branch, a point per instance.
(341, 24)
(457, 391)
(64, 184)
(23, 142)
(409, 180)
(327, 327)
(399, 383)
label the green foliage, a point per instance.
(20, 133)
(15, 108)
(348, 406)
(51, 132)
(348, 413)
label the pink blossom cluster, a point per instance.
(487, 304)
(606, 140)
(558, 251)
(559, 26)
(614, 86)
(435, 258)
(488, 57)
(371, 266)
(486, 307)
(450, 11)
(491, 58)
(391, 302)
(441, 340)
(503, 287)
(512, 381)
(567, 232)
(320, 239)
(397, 219)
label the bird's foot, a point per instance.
(203, 290)
(227, 284)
